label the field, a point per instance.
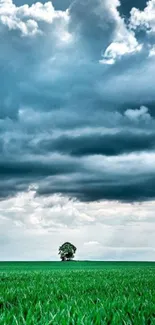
(77, 293)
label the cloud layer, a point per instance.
(77, 115)
(77, 88)
(32, 228)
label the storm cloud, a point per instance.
(77, 127)
(77, 87)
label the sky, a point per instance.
(77, 129)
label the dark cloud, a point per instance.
(63, 112)
(17, 168)
(125, 188)
(97, 144)
(9, 188)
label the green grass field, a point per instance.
(77, 293)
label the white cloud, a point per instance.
(144, 19)
(124, 41)
(91, 243)
(124, 165)
(28, 28)
(152, 51)
(29, 19)
(138, 114)
(117, 49)
(34, 227)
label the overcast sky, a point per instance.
(77, 129)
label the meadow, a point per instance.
(77, 293)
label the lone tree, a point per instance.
(67, 251)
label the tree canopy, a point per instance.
(67, 251)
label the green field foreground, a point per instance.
(77, 293)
